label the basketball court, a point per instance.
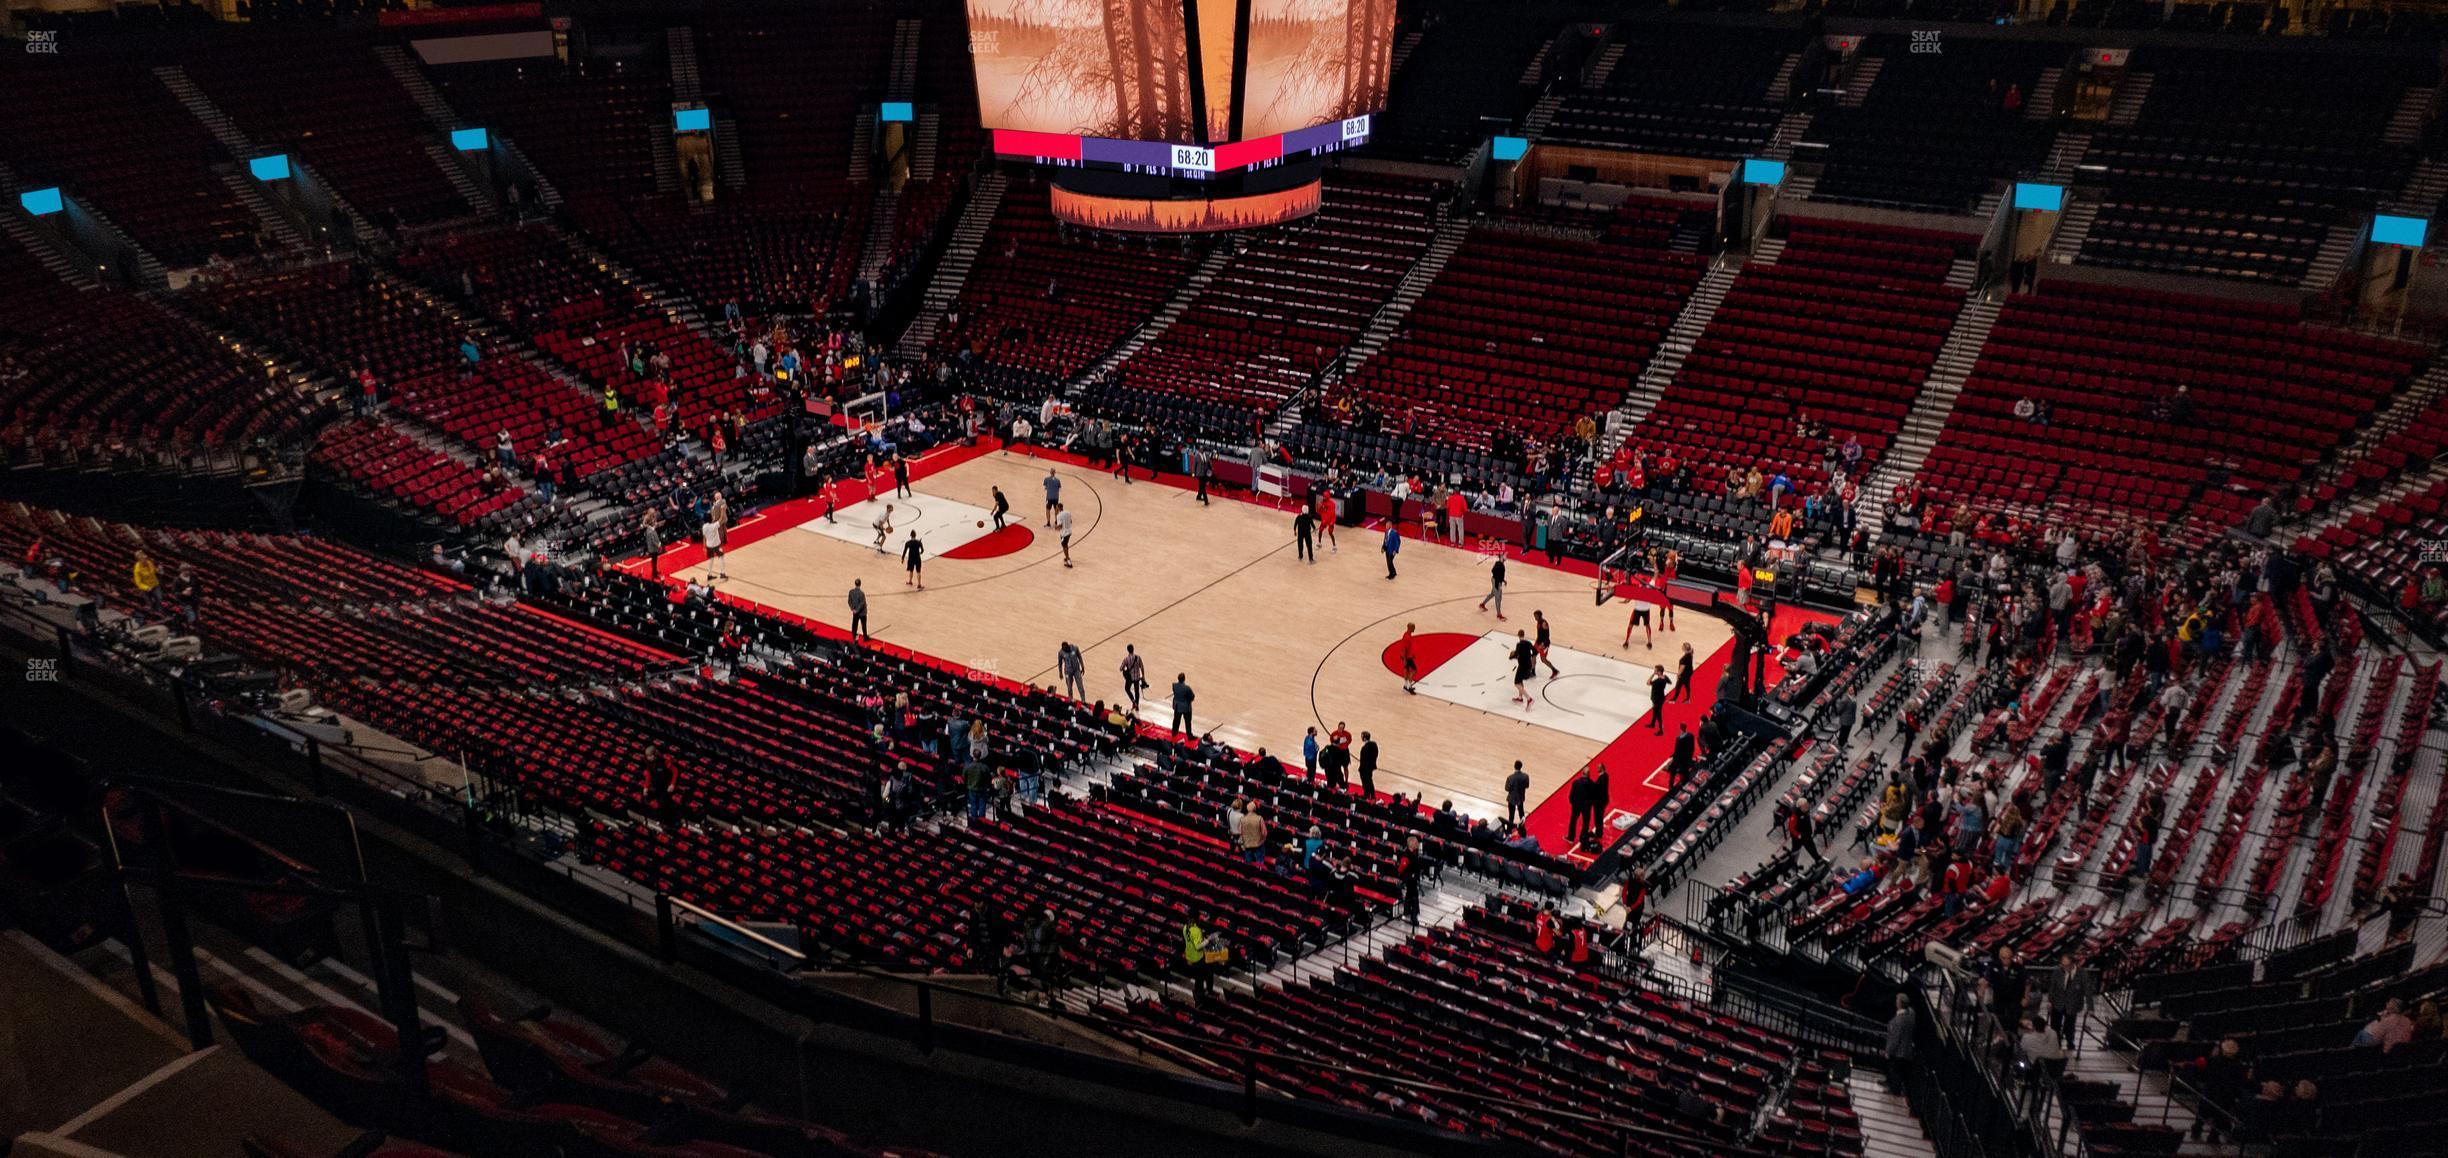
(1272, 645)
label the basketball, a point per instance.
(981, 522)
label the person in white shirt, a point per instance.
(1062, 528)
(712, 532)
(883, 527)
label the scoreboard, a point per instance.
(1196, 162)
(1179, 88)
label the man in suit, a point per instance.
(1517, 794)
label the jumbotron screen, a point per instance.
(1179, 87)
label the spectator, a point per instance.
(2221, 1078)
(2392, 1028)
(978, 779)
(1901, 1048)
(2262, 1115)
(1251, 833)
(2070, 993)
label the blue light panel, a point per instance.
(40, 202)
(470, 140)
(1511, 148)
(2405, 231)
(271, 168)
(1761, 172)
(2030, 195)
(692, 120)
(897, 111)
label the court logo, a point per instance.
(1926, 43)
(42, 44)
(986, 43)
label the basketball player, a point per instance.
(883, 528)
(1666, 570)
(1326, 521)
(1053, 490)
(1639, 617)
(1545, 639)
(913, 557)
(1062, 530)
(1002, 507)
(713, 534)
(1525, 665)
(1408, 652)
(1496, 586)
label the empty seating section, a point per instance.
(766, 258)
(1120, 890)
(1104, 286)
(338, 319)
(1490, 346)
(947, 93)
(587, 127)
(2410, 447)
(2263, 397)
(1469, 63)
(395, 466)
(345, 319)
(109, 134)
(1190, 791)
(331, 101)
(531, 281)
(2239, 162)
(2389, 547)
(1690, 92)
(1476, 1009)
(105, 368)
(1287, 306)
(1843, 329)
(1935, 130)
(793, 78)
(236, 569)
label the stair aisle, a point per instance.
(953, 271)
(1928, 417)
(1698, 311)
